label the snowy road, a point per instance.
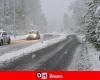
(59, 57)
(12, 47)
(64, 58)
(19, 44)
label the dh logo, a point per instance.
(41, 75)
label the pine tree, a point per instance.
(92, 21)
(16, 16)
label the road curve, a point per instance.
(63, 58)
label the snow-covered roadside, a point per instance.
(12, 56)
(80, 60)
(88, 58)
(94, 57)
(83, 63)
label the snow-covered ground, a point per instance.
(94, 57)
(84, 63)
(88, 58)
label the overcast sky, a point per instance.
(54, 9)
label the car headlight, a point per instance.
(34, 35)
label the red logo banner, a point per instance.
(49, 75)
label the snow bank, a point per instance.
(94, 57)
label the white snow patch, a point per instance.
(94, 57)
(81, 38)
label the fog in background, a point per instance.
(54, 11)
(44, 15)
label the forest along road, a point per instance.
(19, 44)
(50, 60)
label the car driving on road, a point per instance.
(33, 35)
(4, 38)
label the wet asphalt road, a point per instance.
(63, 58)
(57, 57)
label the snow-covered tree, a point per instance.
(93, 20)
(17, 15)
(78, 10)
(84, 13)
